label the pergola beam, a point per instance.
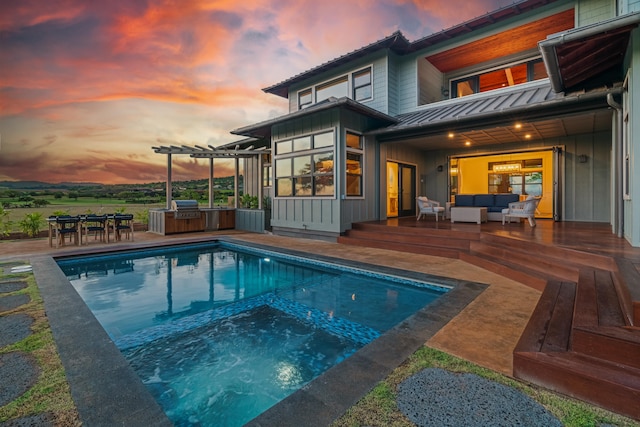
(199, 152)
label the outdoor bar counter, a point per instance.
(169, 221)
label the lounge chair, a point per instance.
(428, 207)
(524, 209)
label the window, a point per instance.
(507, 76)
(304, 99)
(362, 85)
(266, 170)
(357, 85)
(354, 165)
(304, 166)
(520, 177)
(337, 88)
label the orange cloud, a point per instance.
(86, 88)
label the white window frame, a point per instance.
(350, 87)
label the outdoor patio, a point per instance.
(485, 332)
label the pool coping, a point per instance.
(107, 391)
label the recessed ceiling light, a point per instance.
(518, 126)
(467, 143)
(528, 136)
(451, 135)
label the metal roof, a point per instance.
(529, 101)
(399, 44)
(262, 130)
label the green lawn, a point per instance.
(77, 207)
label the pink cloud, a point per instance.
(90, 86)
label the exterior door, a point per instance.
(401, 189)
(407, 200)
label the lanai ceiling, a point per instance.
(546, 130)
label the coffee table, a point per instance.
(468, 214)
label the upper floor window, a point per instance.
(357, 85)
(362, 85)
(337, 88)
(305, 98)
(496, 79)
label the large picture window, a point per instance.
(354, 165)
(304, 166)
(337, 88)
(495, 79)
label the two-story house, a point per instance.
(534, 98)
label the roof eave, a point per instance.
(262, 129)
(548, 46)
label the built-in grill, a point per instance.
(185, 209)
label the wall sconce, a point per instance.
(440, 168)
(582, 158)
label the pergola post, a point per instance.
(169, 190)
(260, 187)
(211, 182)
(236, 201)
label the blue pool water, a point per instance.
(220, 332)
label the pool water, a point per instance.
(219, 332)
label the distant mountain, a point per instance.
(40, 185)
(224, 182)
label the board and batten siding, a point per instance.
(358, 209)
(319, 214)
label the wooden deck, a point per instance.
(583, 338)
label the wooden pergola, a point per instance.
(235, 152)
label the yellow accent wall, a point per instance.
(473, 175)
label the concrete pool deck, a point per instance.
(477, 323)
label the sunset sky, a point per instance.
(88, 87)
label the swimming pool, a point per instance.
(219, 333)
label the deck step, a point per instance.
(549, 327)
(554, 268)
(628, 285)
(597, 381)
(411, 238)
(401, 247)
(512, 271)
(435, 232)
(580, 258)
(617, 345)
(578, 342)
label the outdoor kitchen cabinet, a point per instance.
(227, 219)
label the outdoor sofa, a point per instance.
(494, 203)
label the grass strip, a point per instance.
(51, 392)
(379, 408)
